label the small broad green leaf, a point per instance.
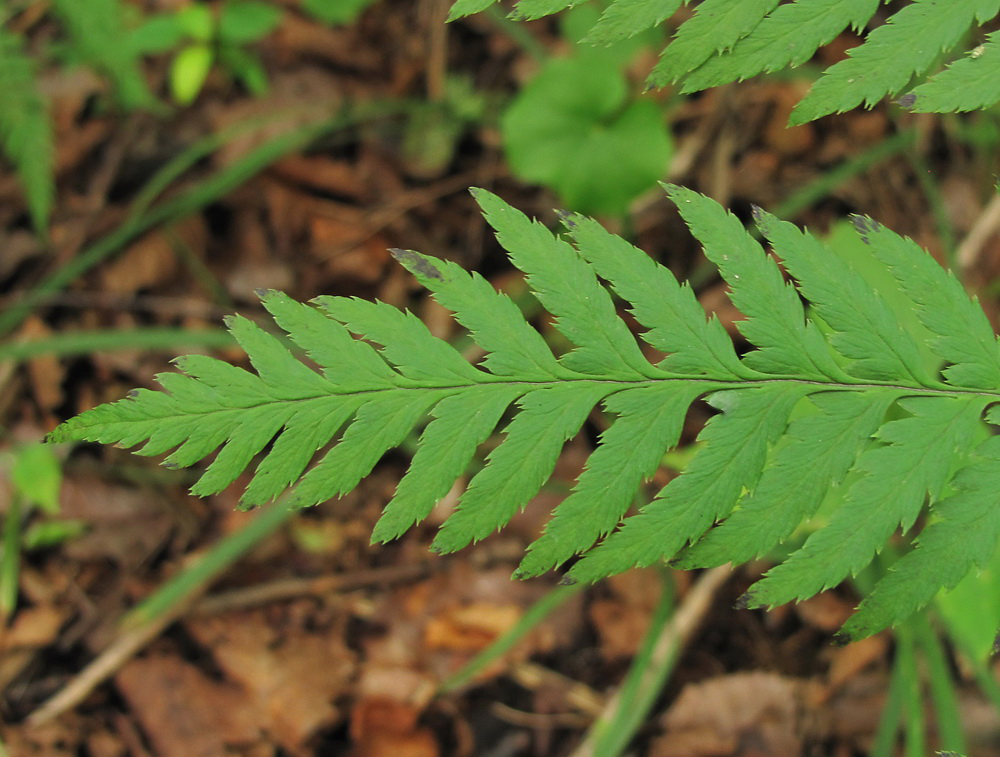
(244, 21)
(188, 72)
(37, 477)
(575, 129)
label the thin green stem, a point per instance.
(941, 684)
(10, 564)
(86, 342)
(209, 565)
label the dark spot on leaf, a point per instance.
(907, 100)
(841, 639)
(261, 292)
(568, 580)
(170, 465)
(743, 603)
(229, 320)
(996, 644)
(416, 264)
(133, 394)
(757, 212)
(566, 218)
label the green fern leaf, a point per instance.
(25, 131)
(716, 26)
(789, 36)
(730, 40)
(971, 83)
(962, 534)
(97, 33)
(893, 53)
(626, 18)
(830, 397)
(462, 8)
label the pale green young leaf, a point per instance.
(676, 320)
(962, 534)
(965, 337)
(970, 83)
(716, 26)
(461, 423)
(513, 348)
(914, 463)
(516, 470)
(734, 448)
(25, 129)
(815, 454)
(649, 423)
(787, 344)
(568, 288)
(406, 341)
(789, 36)
(866, 330)
(906, 45)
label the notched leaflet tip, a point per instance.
(416, 263)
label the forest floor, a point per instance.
(314, 642)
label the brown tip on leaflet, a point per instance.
(416, 264)
(566, 218)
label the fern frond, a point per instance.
(97, 33)
(732, 40)
(833, 397)
(970, 83)
(25, 130)
(892, 54)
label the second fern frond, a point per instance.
(835, 406)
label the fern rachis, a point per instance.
(833, 399)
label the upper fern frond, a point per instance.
(834, 406)
(25, 131)
(731, 40)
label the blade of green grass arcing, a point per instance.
(941, 682)
(86, 342)
(194, 199)
(538, 612)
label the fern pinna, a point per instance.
(728, 40)
(835, 404)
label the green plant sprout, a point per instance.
(808, 409)
(205, 39)
(35, 476)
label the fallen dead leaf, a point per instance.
(739, 715)
(183, 712)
